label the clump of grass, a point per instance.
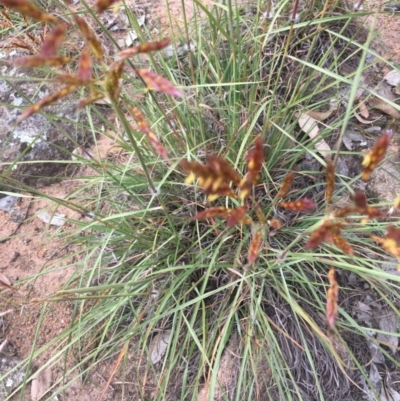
(158, 259)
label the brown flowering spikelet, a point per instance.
(260, 215)
(213, 212)
(95, 96)
(275, 224)
(102, 5)
(53, 41)
(223, 168)
(89, 36)
(144, 48)
(29, 10)
(255, 159)
(255, 246)
(332, 299)
(238, 216)
(330, 181)
(159, 84)
(344, 211)
(391, 242)
(396, 204)
(112, 84)
(85, 66)
(46, 101)
(376, 155)
(362, 207)
(342, 244)
(213, 181)
(287, 182)
(151, 136)
(40, 61)
(300, 205)
(326, 232)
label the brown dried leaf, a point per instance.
(29, 10)
(384, 107)
(320, 115)
(41, 384)
(5, 281)
(363, 120)
(159, 84)
(363, 109)
(158, 346)
(310, 127)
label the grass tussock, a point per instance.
(220, 243)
